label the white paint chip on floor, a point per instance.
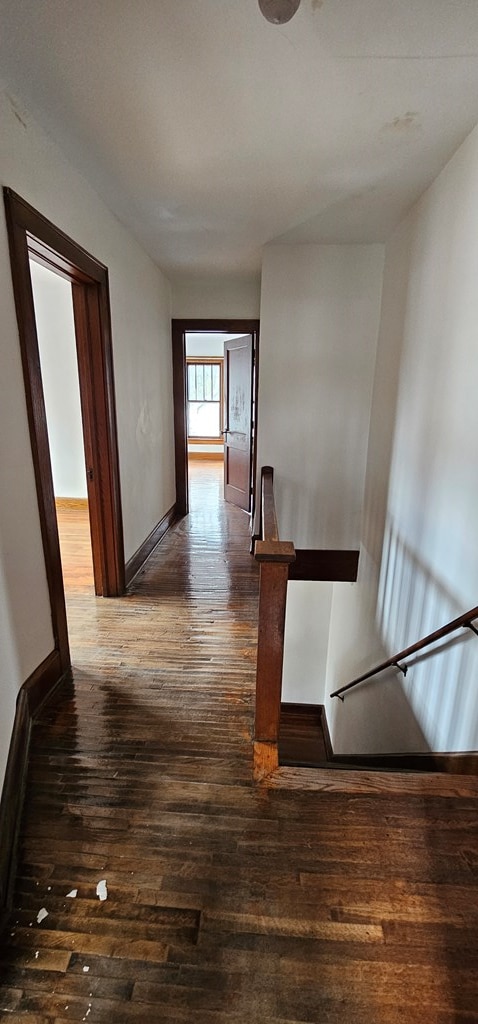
(101, 890)
(41, 915)
(71, 895)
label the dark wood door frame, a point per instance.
(179, 329)
(31, 236)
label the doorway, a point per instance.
(183, 331)
(205, 396)
(32, 237)
(55, 327)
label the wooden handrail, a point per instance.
(270, 529)
(274, 557)
(269, 548)
(463, 620)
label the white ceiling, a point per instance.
(210, 132)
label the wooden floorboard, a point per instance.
(227, 902)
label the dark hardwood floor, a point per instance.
(227, 902)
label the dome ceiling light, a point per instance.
(278, 12)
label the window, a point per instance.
(204, 398)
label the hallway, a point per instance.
(227, 903)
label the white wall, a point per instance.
(205, 344)
(216, 296)
(61, 390)
(422, 485)
(33, 166)
(319, 321)
(306, 641)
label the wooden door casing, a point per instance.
(32, 236)
(179, 329)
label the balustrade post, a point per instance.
(274, 558)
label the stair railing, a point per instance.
(466, 620)
(274, 557)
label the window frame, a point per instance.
(208, 361)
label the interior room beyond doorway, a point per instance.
(59, 370)
(205, 394)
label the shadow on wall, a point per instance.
(377, 718)
(433, 708)
(441, 682)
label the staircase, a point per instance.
(296, 735)
(304, 742)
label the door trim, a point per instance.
(179, 328)
(32, 236)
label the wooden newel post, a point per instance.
(274, 558)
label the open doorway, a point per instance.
(55, 326)
(205, 395)
(215, 373)
(33, 238)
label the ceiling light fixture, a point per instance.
(278, 12)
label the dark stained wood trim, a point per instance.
(274, 551)
(314, 718)
(87, 399)
(454, 763)
(49, 243)
(12, 800)
(95, 371)
(37, 420)
(270, 649)
(37, 689)
(268, 518)
(326, 734)
(108, 455)
(223, 325)
(30, 234)
(179, 327)
(274, 557)
(136, 562)
(317, 564)
(180, 425)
